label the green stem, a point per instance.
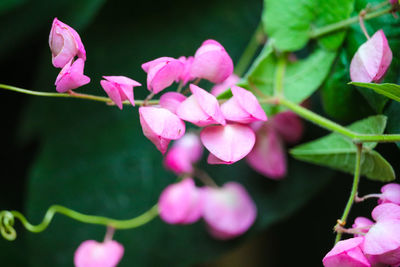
(7, 220)
(279, 76)
(353, 193)
(318, 32)
(249, 51)
(333, 126)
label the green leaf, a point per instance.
(339, 152)
(289, 23)
(390, 90)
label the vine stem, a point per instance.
(318, 32)
(6, 225)
(353, 194)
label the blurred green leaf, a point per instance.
(390, 90)
(289, 23)
(339, 152)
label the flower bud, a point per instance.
(289, 126)
(225, 85)
(94, 254)
(371, 60)
(162, 72)
(363, 224)
(181, 203)
(171, 101)
(228, 211)
(212, 62)
(390, 194)
(65, 44)
(71, 76)
(119, 89)
(185, 76)
(347, 253)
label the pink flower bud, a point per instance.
(181, 203)
(71, 76)
(347, 253)
(243, 107)
(289, 126)
(228, 143)
(183, 154)
(394, 2)
(386, 211)
(94, 254)
(390, 194)
(225, 85)
(160, 126)
(371, 60)
(228, 211)
(212, 62)
(268, 156)
(171, 101)
(162, 72)
(119, 88)
(185, 76)
(65, 44)
(363, 224)
(201, 108)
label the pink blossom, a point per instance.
(201, 108)
(228, 211)
(119, 88)
(71, 76)
(289, 126)
(371, 60)
(185, 76)
(181, 203)
(171, 101)
(347, 253)
(212, 62)
(65, 44)
(228, 143)
(394, 2)
(243, 107)
(94, 254)
(390, 194)
(160, 126)
(183, 154)
(162, 72)
(225, 85)
(386, 211)
(362, 224)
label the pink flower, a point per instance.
(225, 85)
(162, 72)
(181, 203)
(160, 126)
(71, 76)
(243, 107)
(390, 194)
(362, 224)
(371, 60)
(183, 154)
(212, 62)
(65, 44)
(185, 76)
(94, 254)
(347, 253)
(289, 126)
(119, 88)
(386, 211)
(394, 2)
(171, 101)
(201, 108)
(228, 143)
(228, 211)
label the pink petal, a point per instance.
(346, 253)
(212, 62)
(171, 101)
(71, 77)
(383, 237)
(386, 211)
(94, 254)
(228, 211)
(362, 222)
(213, 160)
(112, 92)
(185, 76)
(160, 126)
(225, 85)
(289, 126)
(229, 143)
(390, 194)
(181, 203)
(119, 88)
(268, 156)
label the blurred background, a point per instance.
(94, 158)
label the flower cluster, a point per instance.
(375, 243)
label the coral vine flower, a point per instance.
(181, 203)
(185, 76)
(225, 85)
(171, 101)
(71, 76)
(162, 72)
(371, 60)
(201, 108)
(94, 254)
(228, 143)
(228, 211)
(363, 224)
(212, 62)
(390, 194)
(243, 107)
(65, 44)
(160, 126)
(119, 88)
(183, 154)
(347, 253)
